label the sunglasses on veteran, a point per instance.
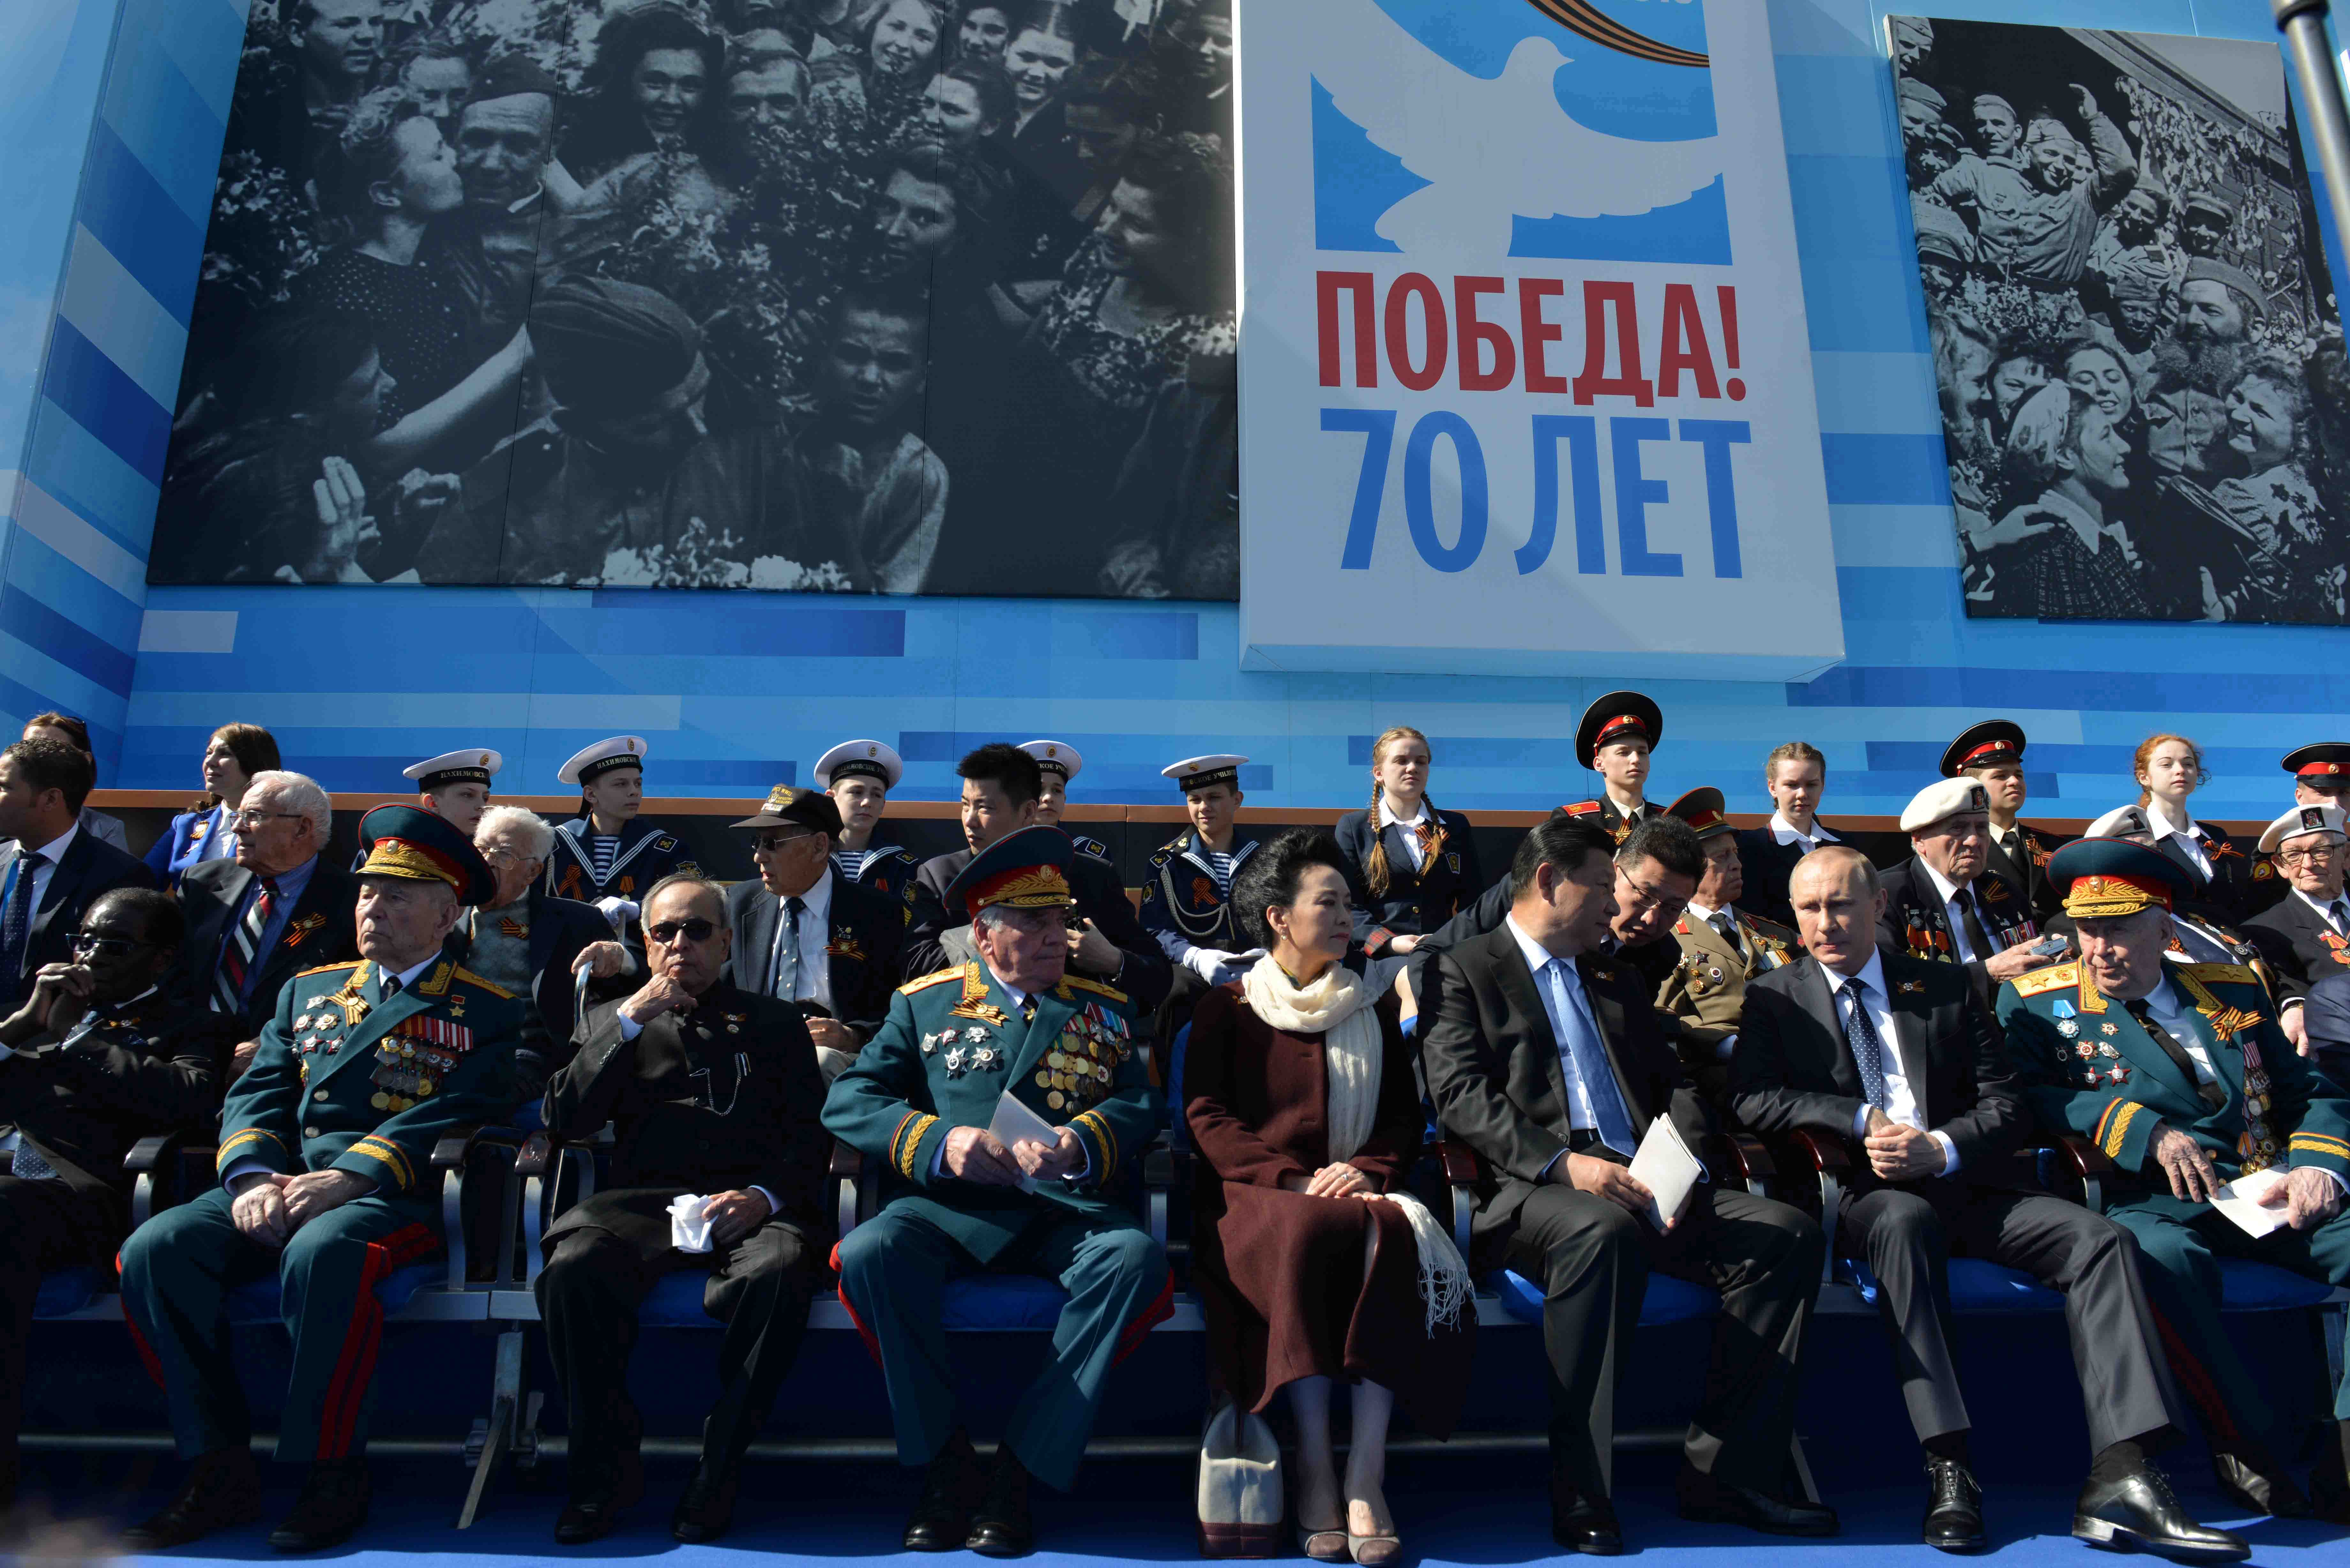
(108, 947)
(669, 933)
(766, 842)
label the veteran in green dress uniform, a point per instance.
(326, 1182)
(920, 1098)
(2180, 1075)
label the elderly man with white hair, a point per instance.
(533, 943)
(1938, 905)
(276, 910)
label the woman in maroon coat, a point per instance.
(1312, 1263)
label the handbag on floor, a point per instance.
(1241, 1506)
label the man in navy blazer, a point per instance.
(53, 871)
(276, 897)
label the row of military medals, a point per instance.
(1076, 1071)
(2258, 1145)
(406, 1070)
(2089, 1051)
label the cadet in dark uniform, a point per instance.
(1411, 866)
(1795, 776)
(712, 1092)
(1614, 740)
(1938, 905)
(325, 1164)
(1722, 948)
(1188, 902)
(859, 775)
(456, 784)
(1057, 763)
(1000, 788)
(1991, 753)
(2169, 769)
(921, 1099)
(607, 855)
(108, 1048)
(2178, 1074)
(805, 934)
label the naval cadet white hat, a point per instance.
(1055, 757)
(1199, 772)
(617, 751)
(472, 765)
(854, 759)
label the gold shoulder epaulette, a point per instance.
(343, 968)
(2220, 973)
(938, 978)
(2056, 976)
(1079, 982)
(493, 987)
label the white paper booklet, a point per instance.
(1668, 1169)
(1013, 1122)
(2239, 1201)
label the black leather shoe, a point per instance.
(942, 1518)
(333, 1504)
(1954, 1507)
(222, 1490)
(707, 1509)
(1585, 1524)
(2139, 1510)
(1709, 1501)
(1003, 1526)
(2256, 1482)
(600, 1496)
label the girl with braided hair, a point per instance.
(1410, 867)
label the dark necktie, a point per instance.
(1978, 938)
(244, 943)
(2338, 914)
(1722, 921)
(391, 987)
(1867, 1048)
(2213, 1096)
(15, 925)
(787, 951)
(1028, 1008)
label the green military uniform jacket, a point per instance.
(343, 1080)
(953, 1044)
(2090, 1069)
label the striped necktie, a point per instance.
(237, 956)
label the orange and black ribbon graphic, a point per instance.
(1584, 17)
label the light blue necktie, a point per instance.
(1591, 1063)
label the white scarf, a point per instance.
(1340, 1008)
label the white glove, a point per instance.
(620, 912)
(1208, 963)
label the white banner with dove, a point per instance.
(1526, 382)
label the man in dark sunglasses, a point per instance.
(712, 1092)
(104, 1052)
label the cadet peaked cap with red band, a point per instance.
(2325, 765)
(1619, 716)
(1992, 744)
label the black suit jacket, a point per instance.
(1792, 1069)
(1917, 924)
(155, 1064)
(1768, 865)
(1101, 899)
(2029, 879)
(89, 867)
(320, 931)
(724, 1097)
(2300, 947)
(866, 930)
(1415, 901)
(1493, 1065)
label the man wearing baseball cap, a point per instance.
(2180, 1075)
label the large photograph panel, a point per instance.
(857, 296)
(2135, 338)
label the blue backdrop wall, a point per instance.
(736, 691)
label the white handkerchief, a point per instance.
(689, 1232)
(1668, 1169)
(2239, 1201)
(1013, 1122)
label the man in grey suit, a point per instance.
(53, 871)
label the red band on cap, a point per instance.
(1623, 721)
(2320, 770)
(1985, 750)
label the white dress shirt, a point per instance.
(40, 865)
(1410, 825)
(816, 936)
(1786, 832)
(1948, 891)
(2183, 830)
(1900, 1099)
(1556, 999)
(2329, 913)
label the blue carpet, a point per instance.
(1486, 1511)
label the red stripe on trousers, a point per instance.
(2202, 1392)
(146, 1356)
(339, 1418)
(1161, 1308)
(872, 1346)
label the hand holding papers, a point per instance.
(1668, 1169)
